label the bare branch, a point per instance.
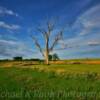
(56, 39)
(44, 33)
(50, 26)
(37, 44)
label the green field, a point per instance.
(52, 82)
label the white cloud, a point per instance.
(88, 21)
(9, 42)
(11, 48)
(93, 43)
(5, 11)
(9, 26)
(81, 41)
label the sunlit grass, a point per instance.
(34, 84)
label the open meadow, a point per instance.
(21, 80)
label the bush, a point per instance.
(18, 58)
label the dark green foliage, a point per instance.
(50, 57)
(54, 57)
(18, 58)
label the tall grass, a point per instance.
(28, 84)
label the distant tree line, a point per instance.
(52, 57)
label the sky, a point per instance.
(81, 18)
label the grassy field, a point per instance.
(52, 82)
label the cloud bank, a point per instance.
(87, 38)
(11, 48)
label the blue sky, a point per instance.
(81, 36)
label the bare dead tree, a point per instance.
(46, 33)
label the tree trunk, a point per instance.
(47, 51)
(47, 57)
